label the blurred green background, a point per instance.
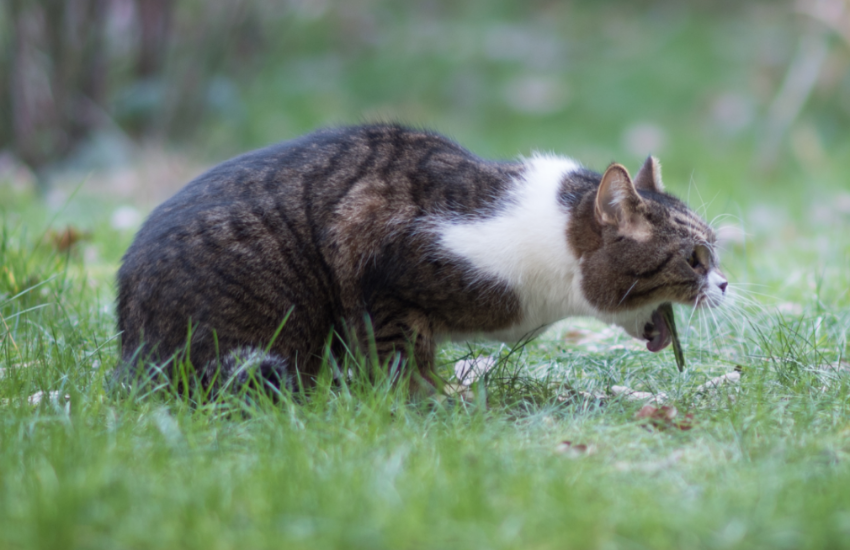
(745, 103)
(107, 107)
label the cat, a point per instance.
(389, 239)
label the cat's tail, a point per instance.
(243, 369)
(249, 369)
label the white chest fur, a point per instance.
(526, 247)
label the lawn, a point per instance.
(763, 462)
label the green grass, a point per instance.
(766, 463)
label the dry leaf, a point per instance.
(458, 391)
(574, 450)
(663, 417)
(631, 395)
(470, 370)
(64, 240)
(53, 396)
(608, 338)
(576, 335)
(663, 413)
(733, 377)
(571, 395)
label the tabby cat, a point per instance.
(391, 239)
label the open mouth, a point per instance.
(657, 332)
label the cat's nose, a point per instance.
(723, 286)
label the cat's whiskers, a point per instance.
(715, 334)
(628, 291)
(702, 209)
(730, 320)
(693, 312)
(717, 324)
(741, 297)
(693, 186)
(755, 294)
(719, 217)
(744, 304)
(732, 311)
(750, 284)
(703, 332)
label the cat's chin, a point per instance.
(657, 333)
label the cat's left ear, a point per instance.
(619, 205)
(648, 177)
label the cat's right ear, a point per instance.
(618, 203)
(649, 176)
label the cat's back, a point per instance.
(270, 177)
(339, 178)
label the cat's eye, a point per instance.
(700, 256)
(693, 260)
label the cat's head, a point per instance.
(642, 247)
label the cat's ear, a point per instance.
(618, 204)
(648, 177)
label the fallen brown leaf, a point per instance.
(567, 394)
(632, 395)
(574, 450)
(458, 391)
(733, 377)
(609, 338)
(65, 239)
(468, 371)
(663, 417)
(576, 335)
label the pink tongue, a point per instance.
(662, 338)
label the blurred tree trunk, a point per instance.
(155, 26)
(55, 76)
(164, 68)
(6, 50)
(209, 43)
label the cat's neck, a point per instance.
(525, 246)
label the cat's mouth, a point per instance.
(657, 333)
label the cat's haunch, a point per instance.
(399, 236)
